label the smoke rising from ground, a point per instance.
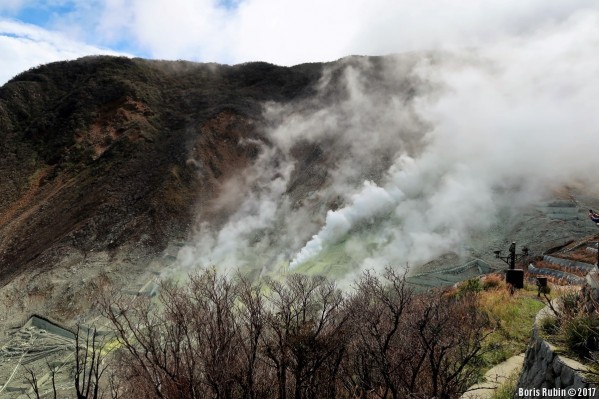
(424, 150)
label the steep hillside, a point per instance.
(113, 169)
(103, 156)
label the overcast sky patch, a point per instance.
(278, 31)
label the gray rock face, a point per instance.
(546, 374)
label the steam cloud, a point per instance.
(428, 157)
(370, 202)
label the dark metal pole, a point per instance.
(513, 256)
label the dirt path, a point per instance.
(494, 378)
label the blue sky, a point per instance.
(285, 32)
(41, 14)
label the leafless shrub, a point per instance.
(89, 364)
(300, 338)
(411, 345)
(306, 336)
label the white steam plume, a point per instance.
(269, 224)
(261, 189)
(370, 202)
(514, 121)
(425, 155)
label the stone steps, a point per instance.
(494, 378)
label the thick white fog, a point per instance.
(461, 135)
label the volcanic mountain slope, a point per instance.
(105, 161)
(107, 164)
(111, 156)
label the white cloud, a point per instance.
(291, 32)
(24, 46)
(512, 123)
(284, 32)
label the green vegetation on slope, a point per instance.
(512, 315)
(573, 327)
